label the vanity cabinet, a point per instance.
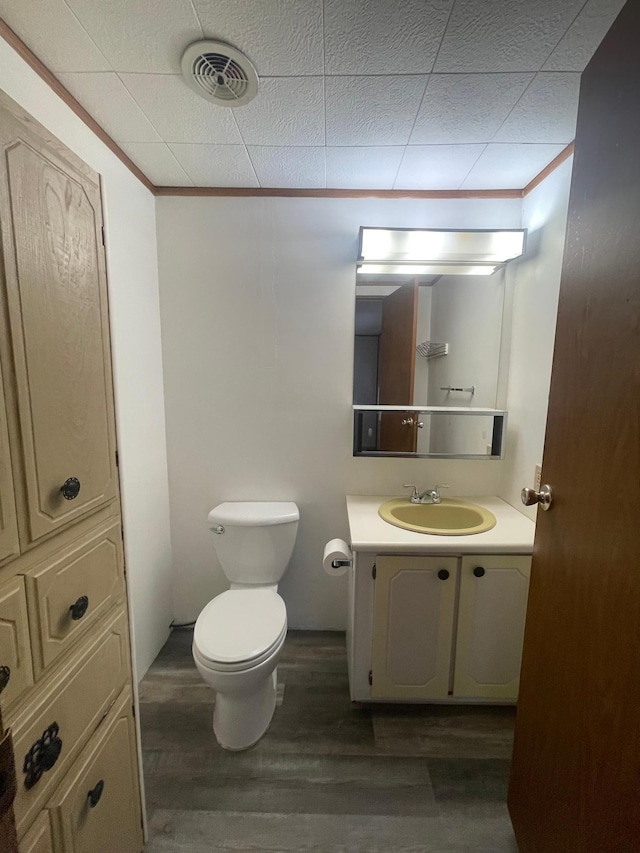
(427, 628)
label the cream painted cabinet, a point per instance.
(65, 656)
(55, 283)
(413, 626)
(491, 616)
(97, 807)
(9, 546)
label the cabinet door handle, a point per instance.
(443, 574)
(5, 675)
(479, 572)
(42, 756)
(70, 488)
(93, 797)
(78, 609)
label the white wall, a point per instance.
(257, 301)
(534, 284)
(137, 358)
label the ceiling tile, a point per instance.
(288, 167)
(105, 97)
(546, 112)
(54, 34)
(158, 163)
(436, 167)
(504, 35)
(286, 111)
(216, 165)
(372, 110)
(509, 166)
(583, 36)
(466, 107)
(280, 37)
(177, 113)
(366, 168)
(140, 35)
(378, 37)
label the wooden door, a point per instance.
(9, 545)
(55, 290)
(575, 782)
(397, 363)
(413, 627)
(491, 616)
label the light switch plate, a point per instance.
(537, 480)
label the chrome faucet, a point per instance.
(430, 496)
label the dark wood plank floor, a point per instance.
(329, 776)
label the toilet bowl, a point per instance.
(240, 633)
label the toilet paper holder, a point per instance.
(338, 564)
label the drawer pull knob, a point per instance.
(78, 609)
(93, 797)
(42, 756)
(5, 675)
(443, 574)
(70, 488)
(479, 572)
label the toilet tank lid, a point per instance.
(254, 513)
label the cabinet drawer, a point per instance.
(38, 839)
(73, 703)
(15, 652)
(97, 807)
(69, 594)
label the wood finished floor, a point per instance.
(329, 776)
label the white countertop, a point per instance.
(513, 534)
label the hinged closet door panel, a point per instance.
(55, 279)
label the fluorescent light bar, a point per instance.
(433, 245)
(426, 269)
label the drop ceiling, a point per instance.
(357, 94)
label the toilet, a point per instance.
(239, 635)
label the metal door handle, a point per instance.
(544, 497)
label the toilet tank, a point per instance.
(255, 539)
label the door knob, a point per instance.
(544, 497)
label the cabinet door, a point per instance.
(55, 286)
(493, 605)
(413, 627)
(15, 651)
(8, 527)
(96, 809)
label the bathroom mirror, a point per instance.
(428, 342)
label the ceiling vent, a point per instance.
(219, 73)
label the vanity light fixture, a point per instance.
(434, 251)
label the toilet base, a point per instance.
(241, 719)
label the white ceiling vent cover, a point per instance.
(219, 73)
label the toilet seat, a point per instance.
(240, 628)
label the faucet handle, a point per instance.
(410, 486)
(442, 486)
